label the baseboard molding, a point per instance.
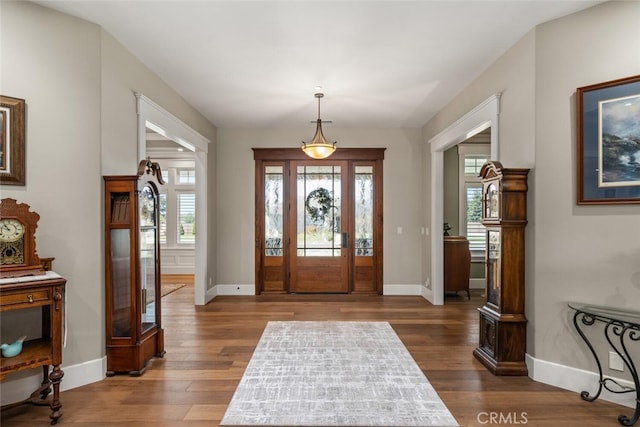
(222, 289)
(19, 388)
(402, 290)
(477, 283)
(577, 380)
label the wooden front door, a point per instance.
(318, 222)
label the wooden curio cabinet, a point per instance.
(132, 247)
(503, 324)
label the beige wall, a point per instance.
(402, 202)
(53, 62)
(581, 253)
(78, 83)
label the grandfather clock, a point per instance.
(503, 325)
(132, 248)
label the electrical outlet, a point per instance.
(615, 362)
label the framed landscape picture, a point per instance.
(12, 122)
(608, 142)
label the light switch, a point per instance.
(399, 230)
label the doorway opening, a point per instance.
(484, 116)
(195, 146)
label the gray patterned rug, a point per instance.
(334, 374)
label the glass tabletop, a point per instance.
(612, 313)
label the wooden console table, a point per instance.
(621, 327)
(47, 292)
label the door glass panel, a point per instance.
(364, 210)
(148, 277)
(318, 211)
(273, 202)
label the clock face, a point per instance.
(11, 230)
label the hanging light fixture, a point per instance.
(318, 148)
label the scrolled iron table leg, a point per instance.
(615, 332)
(588, 320)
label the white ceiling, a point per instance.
(256, 64)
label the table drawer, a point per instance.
(31, 297)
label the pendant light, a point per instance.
(318, 148)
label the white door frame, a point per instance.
(480, 118)
(151, 115)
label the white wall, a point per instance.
(402, 202)
(78, 83)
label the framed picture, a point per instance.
(608, 131)
(12, 123)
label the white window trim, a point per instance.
(172, 189)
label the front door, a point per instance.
(319, 259)
(318, 222)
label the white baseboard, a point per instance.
(477, 283)
(19, 388)
(222, 289)
(402, 290)
(574, 379)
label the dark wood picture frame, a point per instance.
(12, 139)
(608, 172)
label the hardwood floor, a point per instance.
(208, 349)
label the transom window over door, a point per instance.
(319, 222)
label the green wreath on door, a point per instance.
(318, 204)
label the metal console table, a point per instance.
(620, 328)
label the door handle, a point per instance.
(344, 240)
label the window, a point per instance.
(186, 176)
(178, 204)
(472, 157)
(186, 218)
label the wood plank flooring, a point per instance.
(208, 349)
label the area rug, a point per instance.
(334, 374)
(167, 288)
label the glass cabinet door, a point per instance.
(121, 320)
(148, 253)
